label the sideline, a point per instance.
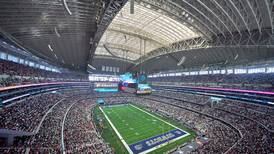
(116, 131)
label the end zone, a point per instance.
(156, 142)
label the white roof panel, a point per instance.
(142, 32)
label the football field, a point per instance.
(139, 130)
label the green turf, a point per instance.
(175, 144)
(135, 125)
(139, 120)
(108, 133)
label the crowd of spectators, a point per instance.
(12, 73)
(230, 126)
(67, 111)
(48, 138)
(254, 122)
(198, 99)
(260, 81)
(80, 133)
(259, 113)
(26, 114)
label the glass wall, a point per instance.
(251, 70)
(15, 59)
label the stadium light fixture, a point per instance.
(56, 32)
(236, 57)
(183, 59)
(90, 66)
(50, 48)
(66, 7)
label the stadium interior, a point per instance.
(137, 76)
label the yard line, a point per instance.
(158, 118)
(164, 144)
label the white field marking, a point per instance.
(159, 118)
(164, 144)
(116, 131)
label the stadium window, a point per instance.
(223, 72)
(31, 64)
(57, 70)
(172, 74)
(193, 73)
(21, 61)
(12, 58)
(270, 70)
(26, 62)
(256, 70)
(103, 68)
(42, 67)
(240, 71)
(36, 65)
(118, 69)
(110, 69)
(216, 71)
(230, 71)
(107, 68)
(91, 78)
(3, 55)
(203, 72)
